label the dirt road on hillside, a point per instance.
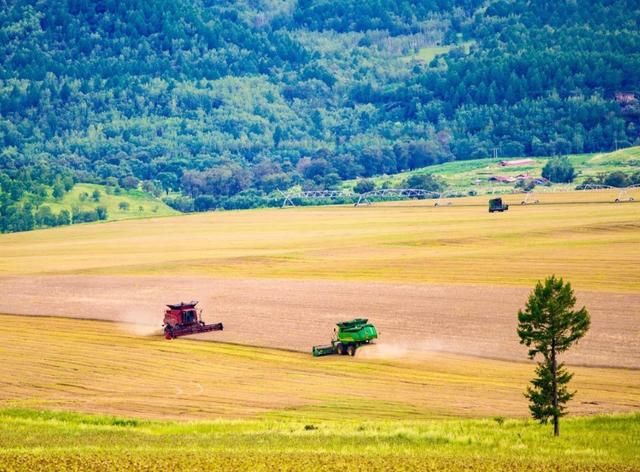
(413, 320)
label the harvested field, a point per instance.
(413, 319)
(93, 366)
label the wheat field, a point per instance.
(594, 245)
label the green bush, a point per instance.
(616, 179)
(559, 170)
(424, 182)
(364, 186)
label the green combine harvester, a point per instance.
(349, 335)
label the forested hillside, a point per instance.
(220, 103)
(397, 17)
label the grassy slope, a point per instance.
(95, 366)
(462, 176)
(593, 245)
(141, 204)
(53, 441)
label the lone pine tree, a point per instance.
(548, 326)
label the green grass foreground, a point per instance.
(35, 440)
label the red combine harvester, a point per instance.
(183, 319)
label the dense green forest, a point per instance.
(220, 103)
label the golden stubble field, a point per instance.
(97, 366)
(445, 282)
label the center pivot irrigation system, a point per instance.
(393, 193)
(624, 194)
(313, 195)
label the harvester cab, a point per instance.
(348, 336)
(182, 319)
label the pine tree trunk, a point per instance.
(554, 368)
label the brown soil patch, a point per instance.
(412, 319)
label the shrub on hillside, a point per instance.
(129, 182)
(86, 216)
(616, 179)
(243, 200)
(526, 185)
(559, 170)
(205, 203)
(183, 204)
(101, 212)
(364, 186)
(63, 218)
(45, 217)
(424, 182)
(58, 190)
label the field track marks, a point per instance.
(412, 319)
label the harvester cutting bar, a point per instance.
(325, 350)
(176, 332)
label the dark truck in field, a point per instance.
(496, 204)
